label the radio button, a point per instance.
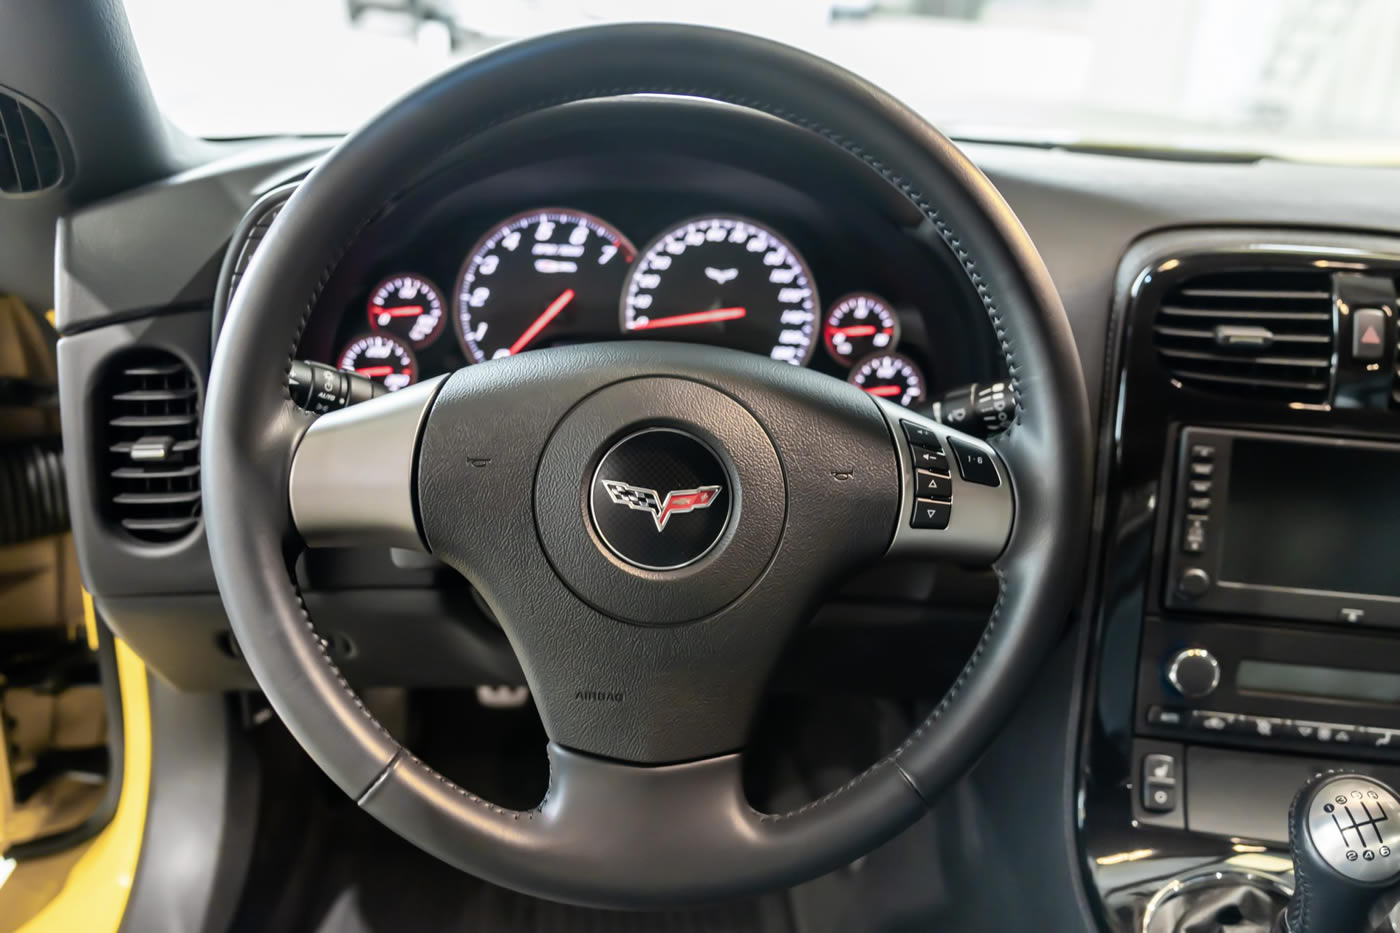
(1203, 470)
(1261, 727)
(1194, 672)
(1169, 716)
(1307, 731)
(1379, 738)
(1200, 487)
(1193, 540)
(1206, 720)
(1198, 504)
(1193, 582)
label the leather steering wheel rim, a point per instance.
(596, 838)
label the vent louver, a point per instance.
(29, 159)
(1264, 334)
(152, 445)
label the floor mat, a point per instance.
(324, 866)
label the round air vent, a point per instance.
(151, 424)
(29, 154)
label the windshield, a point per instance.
(1301, 79)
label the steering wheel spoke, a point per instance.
(957, 502)
(353, 472)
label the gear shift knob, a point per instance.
(1344, 832)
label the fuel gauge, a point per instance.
(858, 324)
(384, 359)
(890, 375)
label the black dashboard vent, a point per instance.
(1264, 334)
(29, 159)
(151, 420)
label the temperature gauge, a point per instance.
(385, 359)
(408, 307)
(858, 324)
(890, 375)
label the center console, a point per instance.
(1248, 629)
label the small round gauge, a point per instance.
(545, 276)
(383, 358)
(890, 375)
(859, 324)
(725, 281)
(409, 307)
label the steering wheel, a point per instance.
(649, 522)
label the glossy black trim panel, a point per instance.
(1124, 856)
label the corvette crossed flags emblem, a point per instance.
(676, 502)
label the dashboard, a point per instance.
(1094, 218)
(649, 245)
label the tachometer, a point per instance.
(859, 324)
(382, 358)
(890, 375)
(407, 306)
(545, 276)
(726, 281)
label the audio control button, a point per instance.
(1379, 738)
(1194, 672)
(1193, 582)
(1170, 716)
(1206, 720)
(1193, 539)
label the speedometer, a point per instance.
(542, 277)
(725, 281)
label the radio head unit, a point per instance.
(1285, 527)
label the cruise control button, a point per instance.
(918, 434)
(932, 486)
(927, 459)
(931, 514)
(974, 465)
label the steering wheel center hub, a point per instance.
(660, 499)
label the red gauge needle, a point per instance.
(403, 311)
(542, 321)
(373, 371)
(697, 317)
(855, 330)
(886, 391)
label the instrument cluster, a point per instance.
(558, 275)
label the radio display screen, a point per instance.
(1333, 683)
(1312, 517)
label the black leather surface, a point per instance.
(1323, 901)
(706, 843)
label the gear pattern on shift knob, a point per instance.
(1354, 825)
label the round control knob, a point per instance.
(1345, 841)
(1193, 582)
(1194, 672)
